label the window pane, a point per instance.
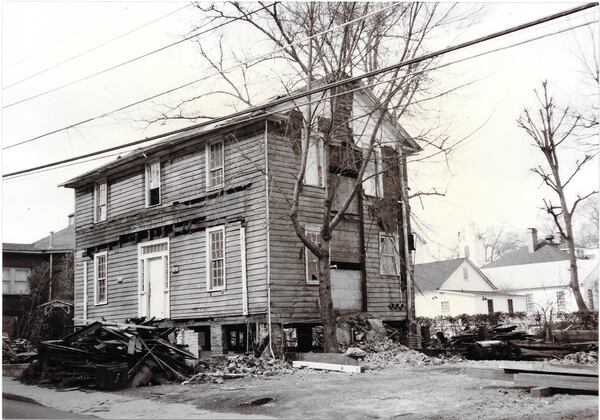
(314, 169)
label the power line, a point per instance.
(323, 88)
(132, 60)
(149, 98)
(81, 54)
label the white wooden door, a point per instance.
(156, 287)
(346, 290)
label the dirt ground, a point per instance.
(400, 392)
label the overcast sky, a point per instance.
(487, 182)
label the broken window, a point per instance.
(530, 305)
(215, 172)
(445, 306)
(311, 260)
(100, 200)
(15, 281)
(561, 301)
(314, 173)
(389, 261)
(373, 176)
(100, 278)
(153, 183)
(216, 258)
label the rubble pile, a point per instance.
(17, 351)
(238, 366)
(582, 358)
(106, 355)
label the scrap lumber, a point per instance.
(489, 373)
(541, 392)
(327, 366)
(544, 367)
(578, 383)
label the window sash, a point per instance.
(311, 260)
(215, 164)
(314, 172)
(100, 201)
(152, 182)
(389, 260)
(101, 278)
(15, 280)
(445, 306)
(216, 266)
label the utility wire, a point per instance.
(326, 87)
(81, 54)
(216, 73)
(132, 60)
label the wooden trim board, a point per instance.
(327, 366)
(533, 367)
(488, 373)
(556, 381)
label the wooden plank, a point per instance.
(488, 373)
(556, 381)
(550, 368)
(335, 358)
(327, 366)
(541, 392)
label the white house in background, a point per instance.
(540, 271)
(457, 286)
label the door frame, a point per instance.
(143, 296)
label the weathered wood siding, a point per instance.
(183, 178)
(292, 300)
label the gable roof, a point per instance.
(431, 276)
(544, 252)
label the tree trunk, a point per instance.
(581, 306)
(330, 344)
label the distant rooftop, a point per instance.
(431, 276)
(544, 252)
(63, 240)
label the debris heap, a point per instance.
(17, 351)
(220, 368)
(582, 358)
(110, 355)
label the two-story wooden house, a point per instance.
(195, 230)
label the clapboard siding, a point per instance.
(183, 178)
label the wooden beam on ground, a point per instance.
(545, 367)
(579, 383)
(488, 373)
(327, 366)
(334, 358)
(541, 392)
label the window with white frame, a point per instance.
(215, 165)
(445, 306)
(215, 261)
(310, 259)
(314, 173)
(529, 304)
(15, 281)
(153, 183)
(465, 272)
(373, 176)
(561, 301)
(100, 201)
(389, 258)
(101, 278)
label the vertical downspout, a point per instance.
(85, 292)
(268, 238)
(244, 274)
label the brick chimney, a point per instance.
(532, 240)
(51, 239)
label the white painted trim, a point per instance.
(396, 255)
(244, 273)
(96, 255)
(147, 171)
(208, 252)
(313, 228)
(95, 200)
(143, 262)
(208, 167)
(85, 291)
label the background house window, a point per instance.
(560, 300)
(465, 272)
(389, 262)
(15, 281)
(373, 177)
(215, 165)
(529, 304)
(100, 200)
(100, 278)
(590, 299)
(216, 258)
(153, 183)
(314, 173)
(312, 263)
(445, 306)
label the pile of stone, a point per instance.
(582, 358)
(218, 369)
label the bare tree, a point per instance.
(499, 241)
(551, 130)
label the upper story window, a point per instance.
(153, 183)
(314, 173)
(215, 258)
(310, 260)
(15, 281)
(389, 257)
(100, 201)
(101, 278)
(215, 165)
(373, 176)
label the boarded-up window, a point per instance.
(215, 174)
(153, 183)
(312, 262)
(100, 278)
(314, 173)
(389, 261)
(100, 201)
(15, 281)
(373, 176)
(216, 257)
